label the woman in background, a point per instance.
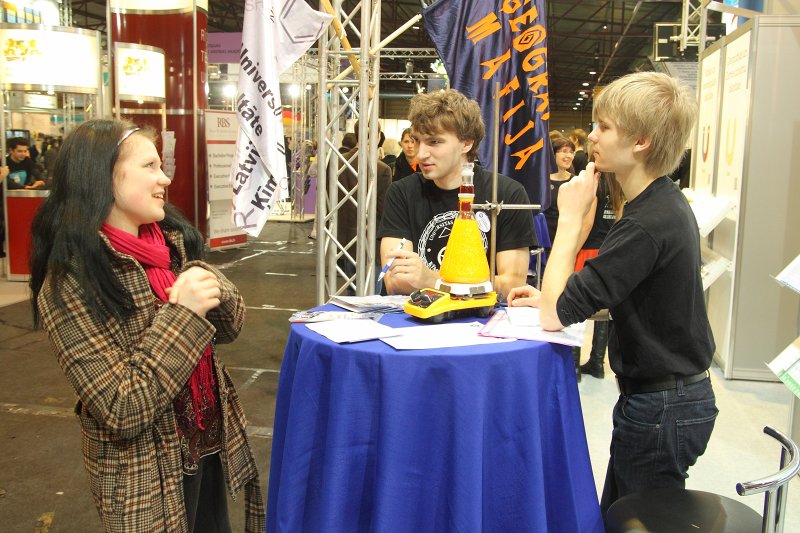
(134, 315)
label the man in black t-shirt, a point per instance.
(21, 171)
(647, 274)
(447, 129)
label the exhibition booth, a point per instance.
(40, 65)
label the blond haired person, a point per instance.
(647, 274)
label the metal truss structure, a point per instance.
(691, 15)
(347, 267)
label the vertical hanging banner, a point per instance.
(275, 34)
(483, 42)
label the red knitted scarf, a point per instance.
(151, 250)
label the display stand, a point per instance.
(787, 365)
(744, 157)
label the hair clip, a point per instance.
(126, 135)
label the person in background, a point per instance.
(134, 317)
(564, 151)
(34, 150)
(391, 149)
(555, 134)
(406, 163)
(347, 225)
(647, 274)
(20, 171)
(581, 159)
(421, 207)
(50, 156)
(349, 141)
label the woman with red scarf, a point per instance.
(134, 316)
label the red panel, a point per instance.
(173, 34)
(231, 240)
(21, 211)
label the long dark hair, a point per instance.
(65, 231)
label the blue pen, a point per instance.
(391, 260)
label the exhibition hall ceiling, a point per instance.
(609, 38)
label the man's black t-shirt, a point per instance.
(21, 174)
(647, 275)
(415, 208)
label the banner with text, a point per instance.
(483, 42)
(275, 34)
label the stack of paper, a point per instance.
(352, 330)
(433, 336)
(375, 303)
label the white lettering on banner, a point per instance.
(269, 46)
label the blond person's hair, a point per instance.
(654, 106)
(448, 111)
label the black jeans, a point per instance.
(657, 436)
(206, 499)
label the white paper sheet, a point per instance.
(500, 326)
(352, 330)
(440, 336)
(523, 316)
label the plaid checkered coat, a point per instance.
(126, 375)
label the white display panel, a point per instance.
(50, 58)
(707, 123)
(733, 117)
(140, 73)
(221, 131)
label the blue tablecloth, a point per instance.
(483, 438)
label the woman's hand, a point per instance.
(196, 289)
(524, 296)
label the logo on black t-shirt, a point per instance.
(433, 240)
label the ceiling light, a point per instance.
(415, 27)
(409, 68)
(585, 84)
(592, 72)
(580, 99)
(574, 108)
(605, 27)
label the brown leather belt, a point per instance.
(628, 386)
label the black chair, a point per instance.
(680, 511)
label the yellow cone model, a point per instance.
(465, 288)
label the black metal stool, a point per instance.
(681, 511)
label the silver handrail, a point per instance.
(775, 485)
